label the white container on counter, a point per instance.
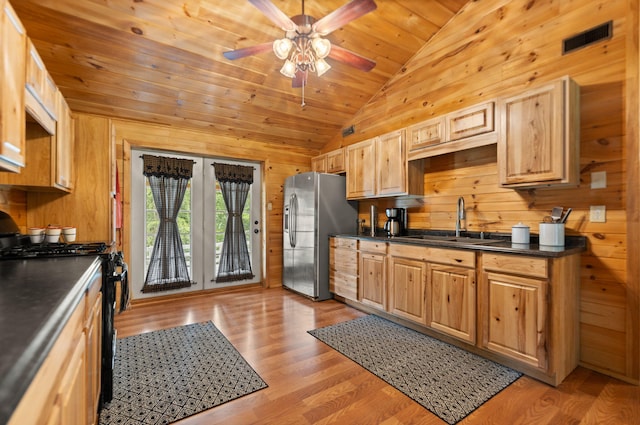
(520, 234)
(552, 234)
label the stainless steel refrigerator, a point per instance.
(315, 206)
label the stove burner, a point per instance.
(53, 250)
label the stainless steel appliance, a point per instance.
(395, 221)
(315, 207)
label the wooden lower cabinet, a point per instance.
(520, 310)
(93, 330)
(373, 274)
(407, 289)
(529, 309)
(452, 300)
(343, 267)
(65, 390)
(516, 325)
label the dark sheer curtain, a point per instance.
(168, 179)
(235, 182)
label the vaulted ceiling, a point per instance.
(161, 61)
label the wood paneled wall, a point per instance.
(14, 203)
(277, 163)
(496, 47)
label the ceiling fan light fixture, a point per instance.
(282, 47)
(288, 69)
(321, 47)
(322, 66)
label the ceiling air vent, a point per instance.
(593, 35)
(348, 131)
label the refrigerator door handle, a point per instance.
(293, 220)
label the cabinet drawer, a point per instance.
(477, 119)
(373, 247)
(526, 266)
(345, 243)
(344, 260)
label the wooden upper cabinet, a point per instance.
(331, 162)
(378, 167)
(425, 134)
(40, 95)
(361, 178)
(472, 121)
(13, 45)
(64, 146)
(539, 136)
(319, 163)
(336, 161)
(391, 164)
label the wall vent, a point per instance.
(348, 131)
(588, 37)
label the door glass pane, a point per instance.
(221, 217)
(152, 223)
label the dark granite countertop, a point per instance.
(488, 242)
(37, 297)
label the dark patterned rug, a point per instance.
(448, 381)
(163, 376)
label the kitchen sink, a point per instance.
(444, 238)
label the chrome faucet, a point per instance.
(460, 215)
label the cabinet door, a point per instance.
(407, 288)
(13, 45)
(64, 146)
(472, 121)
(319, 163)
(538, 143)
(515, 318)
(94, 359)
(372, 289)
(391, 164)
(452, 301)
(40, 91)
(335, 161)
(361, 179)
(72, 395)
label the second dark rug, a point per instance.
(448, 381)
(163, 376)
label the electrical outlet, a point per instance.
(598, 180)
(598, 214)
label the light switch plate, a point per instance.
(598, 214)
(598, 180)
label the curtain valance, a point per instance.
(233, 173)
(161, 166)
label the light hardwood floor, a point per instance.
(310, 383)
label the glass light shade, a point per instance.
(288, 69)
(282, 48)
(321, 46)
(322, 66)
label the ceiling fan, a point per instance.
(303, 47)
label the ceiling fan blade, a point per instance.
(276, 15)
(350, 58)
(343, 15)
(248, 51)
(300, 79)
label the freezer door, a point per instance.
(305, 231)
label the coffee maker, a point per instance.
(395, 221)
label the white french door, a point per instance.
(201, 221)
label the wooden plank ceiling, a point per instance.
(161, 61)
